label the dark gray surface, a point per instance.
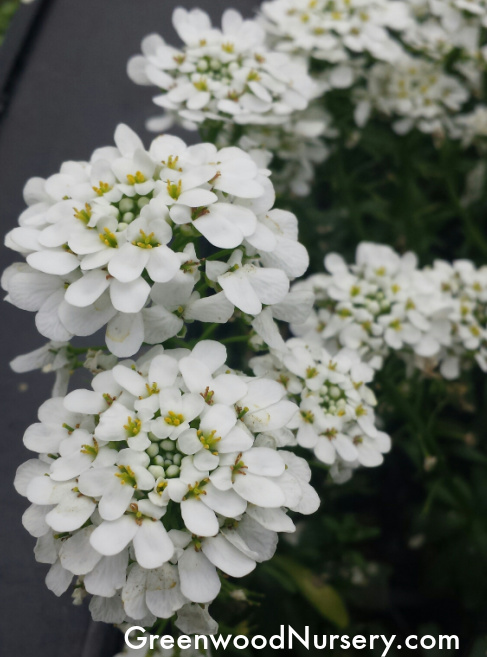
(69, 93)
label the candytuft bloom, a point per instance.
(164, 474)
(226, 74)
(119, 241)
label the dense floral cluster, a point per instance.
(384, 303)
(119, 241)
(265, 83)
(336, 416)
(336, 32)
(439, 27)
(414, 93)
(221, 75)
(175, 471)
(163, 474)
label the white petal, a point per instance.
(87, 289)
(85, 401)
(163, 264)
(133, 593)
(164, 595)
(77, 555)
(53, 262)
(240, 292)
(276, 520)
(226, 503)
(128, 263)
(71, 513)
(264, 461)
(152, 545)
(108, 575)
(125, 334)
(127, 141)
(198, 518)
(58, 579)
(110, 538)
(34, 520)
(28, 471)
(259, 490)
(115, 500)
(226, 557)
(199, 580)
(129, 297)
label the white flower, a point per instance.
(335, 417)
(431, 317)
(170, 462)
(472, 127)
(118, 242)
(222, 75)
(382, 303)
(415, 93)
(247, 285)
(336, 32)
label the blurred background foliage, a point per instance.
(7, 10)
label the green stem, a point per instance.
(220, 254)
(235, 338)
(84, 350)
(208, 332)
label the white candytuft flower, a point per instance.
(165, 473)
(118, 241)
(336, 416)
(463, 288)
(471, 128)
(439, 27)
(380, 303)
(414, 93)
(221, 75)
(383, 304)
(336, 32)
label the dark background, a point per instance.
(63, 89)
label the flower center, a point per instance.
(108, 238)
(138, 178)
(146, 241)
(174, 189)
(239, 467)
(197, 490)
(174, 419)
(132, 427)
(209, 440)
(126, 476)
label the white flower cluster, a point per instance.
(415, 93)
(222, 75)
(337, 32)
(438, 27)
(164, 474)
(472, 127)
(119, 241)
(336, 416)
(416, 62)
(383, 303)
(463, 289)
